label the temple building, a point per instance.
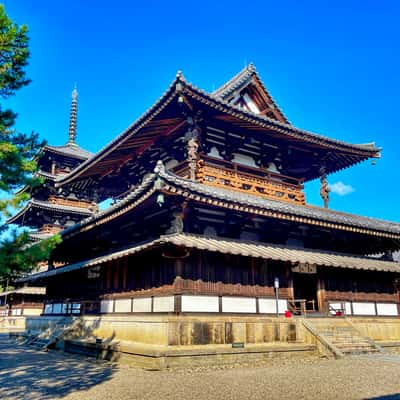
(209, 218)
(51, 209)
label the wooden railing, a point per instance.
(301, 306)
(257, 181)
(72, 203)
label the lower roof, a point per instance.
(168, 182)
(265, 251)
(25, 290)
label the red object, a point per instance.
(338, 313)
(288, 314)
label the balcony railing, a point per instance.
(257, 181)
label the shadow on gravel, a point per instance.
(31, 374)
(386, 397)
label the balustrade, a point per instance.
(257, 181)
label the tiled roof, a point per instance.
(32, 203)
(70, 150)
(25, 290)
(281, 127)
(241, 80)
(236, 247)
(281, 206)
(150, 184)
(180, 86)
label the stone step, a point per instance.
(359, 351)
(358, 345)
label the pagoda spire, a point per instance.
(73, 118)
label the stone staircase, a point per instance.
(47, 338)
(340, 337)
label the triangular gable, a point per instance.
(246, 90)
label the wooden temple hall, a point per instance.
(209, 216)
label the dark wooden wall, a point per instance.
(200, 272)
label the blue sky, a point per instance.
(333, 67)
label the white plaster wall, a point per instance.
(387, 309)
(364, 308)
(214, 153)
(123, 305)
(142, 305)
(107, 306)
(250, 103)
(268, 306)
(244, 160)
(238, 304)
(200, 304)
(163, 304)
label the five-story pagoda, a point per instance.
(51, 209)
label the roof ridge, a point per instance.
(248, 71)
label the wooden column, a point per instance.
(288, 265)
(321, 297)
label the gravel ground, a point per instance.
(30, 374)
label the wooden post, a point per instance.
(321, 298)
(290, 281)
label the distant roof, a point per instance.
(25, 290)
(32, 203)
(70, 150)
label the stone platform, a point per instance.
(169, 340)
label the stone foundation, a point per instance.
(161, 341)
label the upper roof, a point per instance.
(164, 116)
(248, 78)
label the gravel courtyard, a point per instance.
(30, 374)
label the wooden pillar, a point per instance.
(108, 273)
(321, 297)
(124, 272)
(178, 268)
(116, 275)
(288, 265)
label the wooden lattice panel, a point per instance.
(247, 183)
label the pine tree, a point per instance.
(17, 154)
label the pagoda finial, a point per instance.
(73, 117)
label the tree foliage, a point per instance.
(16, 257)
(17, 153)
